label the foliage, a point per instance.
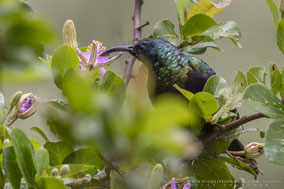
(19, 50)
(197, 27)
(106, 138)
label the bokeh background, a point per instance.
(110, 22)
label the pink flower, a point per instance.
(92, 60)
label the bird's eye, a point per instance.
(141, 48)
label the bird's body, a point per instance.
(167, 65)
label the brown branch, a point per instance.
(230, 126)
(137, 32)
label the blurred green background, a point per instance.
(110, 21)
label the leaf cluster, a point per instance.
(198, 29)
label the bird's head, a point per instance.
(145, 50)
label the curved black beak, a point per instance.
(124, 48)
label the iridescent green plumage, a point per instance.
(170, 66)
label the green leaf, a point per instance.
(42, 160)
(87, 156)
(35, 143)
(282, 86)
(239, 84)
(237, 163)
(2, 178)
(47, 61)
(83, 99)
(273, 143)
(203, 7)
(24, 155)
(205, 104)
(180, 6)
(201, 38)
(11, 168)
(49, 183)
(232, 96)
(256, 75)
(76, 170)
(165, 30)
(200, 48)
(261, 99)
(2, 112)
(215, 85)
(229, 29)
(114, 86)
(274, 11)
(210, 169)
(58, 151)
(2, 102)
(39, 131)
(280, 35)
(63, 59)
(275, 78)
(197, 25)
(184, 92)
(2, 133)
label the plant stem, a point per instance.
(238, 153)
(110, 164)
(137, 32)
(230, 126)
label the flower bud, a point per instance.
(6, 141)
(69, 34)
(254, 150)
(281, 6)
(64, 169)
(173, 184)
(27, 106)
(15, 98)
(156, 177)
(187, 186)
(54, 172)
(87, 178)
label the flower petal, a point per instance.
(173, 185)
(187, 186)
(106, 63)
(103, 71)
(26, 104)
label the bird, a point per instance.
(168, 66)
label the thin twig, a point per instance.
(230, 126)
(142, 26)
(110, 164)
(137, 32)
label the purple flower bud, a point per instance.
(254, 150)
(187, 186)
(173, 185)
(27, 106)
